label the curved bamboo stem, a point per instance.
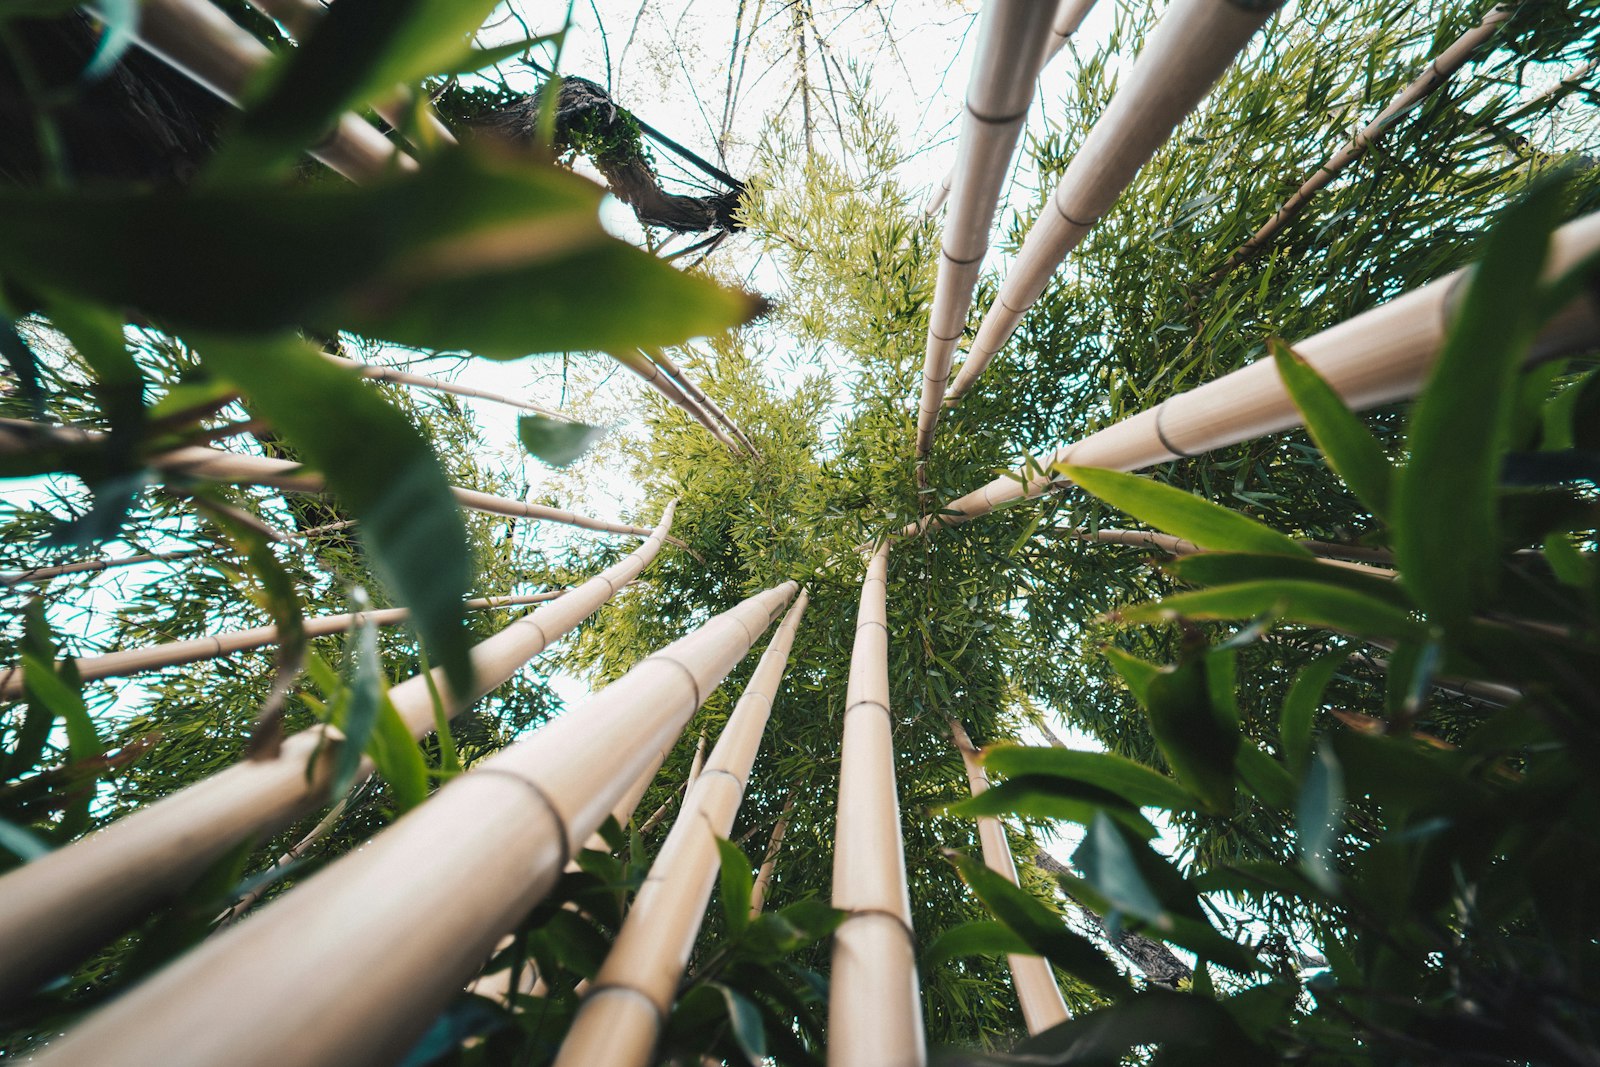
(769, 861)
(58, 908)
(1195, 41)
(1439, 71)
(622, 1015)
(1037, 992)
(438, 385)
(698, 395)
(1012, 40)
(402, 923)
(874, 1007)
(175, 653)
(1379, 356)
(658, 379)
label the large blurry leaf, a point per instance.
(1173, 1021)
(1107, 864)
(1043, 796)
(1346, 443)
(1199, 739)
(365, 686)
(1312, 603)
(556, 442)
(1231, 568)
(1182, 514)
(744, 1022)
(1444, 520)
(497, 256)
(736, 884)
(1319, 818)
(980, 937)
(1296, 719)
(378, 466)
(1134, 782)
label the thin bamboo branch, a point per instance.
(421, 381)
(1379, 356)
(769, 861)
(663, 383)
(1439, 71)
(1195, 41)
(622, 1015)
(90, 566)
(201, 42)
(874, 1007)
(1031, 976)
(175, 653)
(1177, 546)
(697, 764)
(1012, 40)
(60, 907)
(699, 396)
(403, 922)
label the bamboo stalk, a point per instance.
(874, 1007)
(663, 383)
(1195, 41)
(1379, 356)
(697, 764)
(1439, 71)
(18, 436)
(60, 907)
(1012, 39)
(1031, 976)
(39, 574)
(698, 395)
(402, 923)
(769, 861)
(620, 1020)
(1177, 546)
(175, 653)
(203, 44)
(422, 381)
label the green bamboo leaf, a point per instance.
(1444, 512)
(744, 1022)
(1182, 514)
(1346, 443)
(1134, 671)
(556, 442)
(1311, 603)
(1139, 785)
(1232, 568)
(737, 884)
(1108, 865)
(1265, 778)
(1299, 711)
(1199, 740)
(980, 937)
(364, 684)
(1042, 796)
(1176, 1022)
(397, 757)
(1319, 820)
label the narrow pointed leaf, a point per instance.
(1181, 514)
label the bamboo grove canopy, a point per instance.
(1130, 595)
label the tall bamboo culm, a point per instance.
(402, 923)
(1439, 71)
(698, 395)
(1195, 41)
(658, 379)
(1012, 38)
(769, 861)
(1379, 356)
(62, 906)
(622, 1015)
(1031, 976)
(874, 1002)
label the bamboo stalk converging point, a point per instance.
(402, 923)
(1011, 47)
(622, 1015)
(1037, 992)
(1439, 71)
(1195, 41)
(874, 1006)
(175, 653)
(769, 861)
(1380, 356)
(63, 905)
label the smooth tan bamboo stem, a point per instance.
(1438, 72)
(202, 43)
(662, 382)
(58, 908)
(1012, 38)
(175, 653)
(769, 861)
(89, 566)
(438, 385)
(1031, 976)
(874, 1006)
(401, 924)
(622, 1015)
(1379, 356)
(210, 464)
(1195, 41)
(1068, 19)
(699, 396)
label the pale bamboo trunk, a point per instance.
(1377, 357)
(769, 862)
(1195, 41)
(1035, 983)
(621, 1018)
(1439, 71)
(1012, 38)
(63, 905)
(201, 42)
(402, 923)
(174, 653)
(662, 382)
(422, 381)
(874, 1003)
(699, 396)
